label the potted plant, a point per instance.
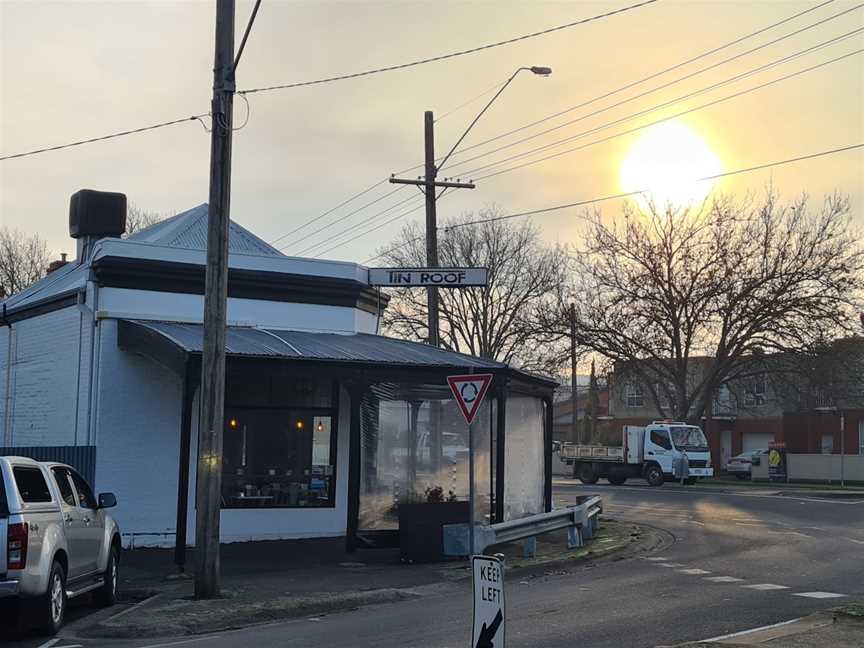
(421, 522)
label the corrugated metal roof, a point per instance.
(189, 230)
(65, 280)
(301, 345)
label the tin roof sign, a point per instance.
(426, 277)
(488, 584)
(469, 390)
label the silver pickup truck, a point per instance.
(56, 540)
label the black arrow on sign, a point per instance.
(488, 633)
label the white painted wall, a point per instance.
(126, 303)
(138, 440)
(47, 354)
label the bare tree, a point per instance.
(138, 218)
(23, 260)
(496, 321)
(688, 301)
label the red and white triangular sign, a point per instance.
(469, 390)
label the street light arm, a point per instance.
(477, 118)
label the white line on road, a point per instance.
(657, 559)
(751, 631)
(820, 595)
(765, 587)
(670, 564)
(861, 542)
(694, 572)
(724, 579)
(50, 642)
(178, 643)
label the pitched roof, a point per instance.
(188, 230)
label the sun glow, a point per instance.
(666, 162)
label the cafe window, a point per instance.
(279, 447)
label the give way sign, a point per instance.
(469, 390)
(488, 581)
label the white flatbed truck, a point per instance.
(653, 452)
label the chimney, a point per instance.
(56, 265)
(94, 215)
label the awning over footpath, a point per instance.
(172, 343)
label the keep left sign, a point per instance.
(488, 582)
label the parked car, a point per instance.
(741, 465)
(56, 540)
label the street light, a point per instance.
(534, 69)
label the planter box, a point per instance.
(421, 535)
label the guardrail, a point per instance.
(581, 522)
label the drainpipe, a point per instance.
(94, 358)
(7, 413)
(842, 449)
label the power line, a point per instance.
(469, 102)
(716, 176)
(360, 224)
(644, 126)
(642, 80)
(582, 203)
(442, 57)
(111, 136)
(678, 80)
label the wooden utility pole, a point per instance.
(209, 485)
(574, 392)
(428, 185)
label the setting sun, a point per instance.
(666, 162)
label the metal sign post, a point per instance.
(469, 391)
(487, 630)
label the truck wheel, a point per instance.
(617, 478)
(587, 474)
(106, 595)
(654, 475)
(690, 481)
(52, 606)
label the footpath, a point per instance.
(841, 627)
(269, 581)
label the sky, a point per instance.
(74, 70)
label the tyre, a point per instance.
(52, 607)
(690, 481)
(654, 475)
(741, 476)
(587, 474)
(617, 478)
(106, 595)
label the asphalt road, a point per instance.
(771, 558)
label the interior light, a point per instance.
(232, 423)
(320, 427)
(299, 425)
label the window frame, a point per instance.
(37, 470)
(69, 483)
(72, 475)
(664, 432)
(755, 391)
(634, 391)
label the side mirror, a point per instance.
(107, 500)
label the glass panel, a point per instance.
(525, 466)
(414, 448)
(85, 495)
(66, 492)
(31, 485)
(277, 458)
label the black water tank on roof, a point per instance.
(97, 213)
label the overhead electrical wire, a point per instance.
(631, 84)
(688, 76)
(582, 203)
(639, 81)
(616, 135)
(648, 125)
(332, 223)
(442, 57)
(110, 136)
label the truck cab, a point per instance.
(663, 446)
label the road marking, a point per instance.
(670, 564)
(178, 643)
(861, 542)
(657, 559)
(50, 643)
(694, 572)
(764, 587)
(751, 631)
(820, 595)
(724, 579)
